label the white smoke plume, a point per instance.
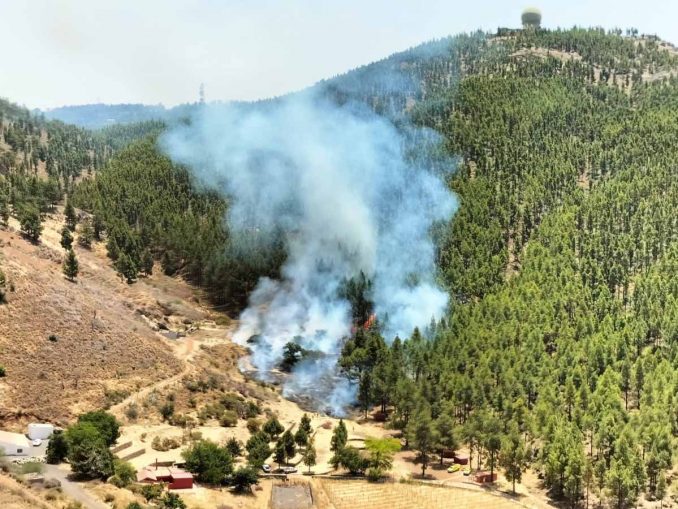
(337, 180)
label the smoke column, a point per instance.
(337, 180)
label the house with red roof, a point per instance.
(175, 478)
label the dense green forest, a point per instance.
(560, 348)
(41, 160)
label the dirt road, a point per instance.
(73, 489)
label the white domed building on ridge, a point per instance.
(531, 18)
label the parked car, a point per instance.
(37, 442)
(454, 468)
(467, 471)
(289, 470)
(266, 468)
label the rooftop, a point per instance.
(13, 438)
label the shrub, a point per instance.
(52, 483)
(209, 462)
(109, 497)
(3, 372)
(124, 471)
(165, 444)
(151, 491)
(32, 467)
(2, 287)
(243, 479)
(273, 427)
(167, 410)
(116, 481)
(228, 419)
(57, 448)
(132, 412)
(234, 447)
(172, 501)
(253, 425)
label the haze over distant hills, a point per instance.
(95, 116)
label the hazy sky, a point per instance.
(56, 52)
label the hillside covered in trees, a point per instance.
(559, 350)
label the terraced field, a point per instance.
(364, 495)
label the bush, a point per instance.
(3, 372)
(57, 448)
(243, 479)
(167, 410)
(109, 497)
(32, 467)
(132, 412)
(253, 425)
(273, 427)
(52, 483)
(172, 501)
(165, 444)
(125, 472)
(116, 481)
(374, 474)
(234, 447)
(151, 491)
(209, 462)
(134, 505)
(2, 287)
(252, 410)
(228, 419)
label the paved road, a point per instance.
(73, 489)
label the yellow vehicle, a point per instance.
(453, 468)
(467, 471)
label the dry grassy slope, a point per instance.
(103, 342)
(15, 496)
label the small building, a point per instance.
(175, 478)
(14, 444)
(483, 476)
(461, 459)
(39, 430)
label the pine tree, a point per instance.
(4, 210)
(126, 267)
(512, 457)
(660, 491)
(310, 454)
(339, 437)
(86, 235)
(71, 217)
(279, 454)
(70, 267)
(422, 434)
(147, 262)
(3, 281)
(31, 222)
(66, 238)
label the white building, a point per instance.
(14, 444)
(40, 430)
